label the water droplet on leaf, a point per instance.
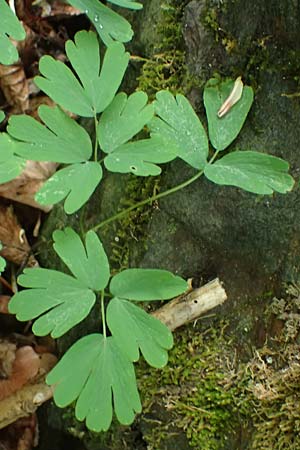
(96, 18)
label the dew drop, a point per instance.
(86, 11)
(96, 18)
(101, 26)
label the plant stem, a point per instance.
(96, 138)
(103, 314)
(153, 198)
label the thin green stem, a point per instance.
(103, 313)
(96, 138)
(153, 198)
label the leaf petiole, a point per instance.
(103, 313)
(154, 197)
(96, 138)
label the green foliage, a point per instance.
(2, 116)
(93, 371)
(255, 172)
(69, 182)
(181, 128)
(123, 119)
(61, 139)
(151, 336)
(109, 25)
(146, 285)
(59, 301)
(222, 132)
(11, 165)
(140, 157)
(96, 88)
(63, 300)
(9, 26)
(176, 130)
(97, 372)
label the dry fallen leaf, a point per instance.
(23, 188)
(15, 245)
(24, 368)
(14, 86)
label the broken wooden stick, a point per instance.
(26, 400)
(190, 306)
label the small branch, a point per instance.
(26, 400)
(23, 403)
(190, 306)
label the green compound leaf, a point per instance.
(255, 172)
(140, 157)
(9, 26)
(223, 131)
(146, 332)
(88, 264)
(123, 119)
(11, 165)
(62, 140)
(2, 260)
(60, 300)
(181, 128)
(76, 182)
(96, 373)
(127, 4)
(96, 88)
(2, 116)
(109, 25)
(147, 284)
(63, 300)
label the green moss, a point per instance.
(202, 389)
(132, 228)
(165, 68)
(275, 378)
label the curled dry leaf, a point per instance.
(25, 367)
(15, 245)
(23, 188)
(14, 85)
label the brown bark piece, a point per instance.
(13, 238)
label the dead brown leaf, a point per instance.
(24, 368)
(23, 188)
(4, 300)
(13, 238)
(14, 86)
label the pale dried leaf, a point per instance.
(23, 188)
(13, 238)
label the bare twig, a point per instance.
(189, 307)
